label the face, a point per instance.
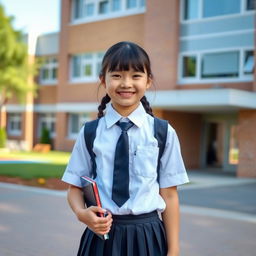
(126, 88)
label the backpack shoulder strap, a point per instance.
(89, 136)
(160, 133)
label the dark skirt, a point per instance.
(130, 235)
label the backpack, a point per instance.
(160, 133)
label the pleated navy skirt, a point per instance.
(130, 235)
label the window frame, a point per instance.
(96, 58)
(182, 65)
(220, 15)
(48, 118)
(15, 118)
(198, 78)
(49, 64)
(245, 5)
(200, 18)
(140, 8)
(243, 55)
(82, 118)
(217, 53)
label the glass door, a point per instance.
(220, 144)
(231, 157)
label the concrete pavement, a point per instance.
(217, 219)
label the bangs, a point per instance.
(126, 58)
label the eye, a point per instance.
(115, 75)
(136, 76)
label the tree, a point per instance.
(2, 138)
(15, 68)
(45, 136)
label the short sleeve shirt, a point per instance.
(143, 159)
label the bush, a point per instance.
(45, 136)
(2, 137)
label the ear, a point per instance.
(149, 82)
(102, 81)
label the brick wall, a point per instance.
(188, 128)
(162, 41)
(247, 143)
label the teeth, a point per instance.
(125, 94)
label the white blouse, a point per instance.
(143, 156)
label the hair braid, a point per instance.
(146, 105)
(102, 105)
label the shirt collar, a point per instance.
(137, 116)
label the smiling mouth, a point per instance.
(126, 94)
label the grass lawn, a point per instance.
(54, 166)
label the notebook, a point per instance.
(92, 197)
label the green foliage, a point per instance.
(14, 63)
(33, 170)
(2, 137)
(54, 157)
(45, 136)
(52, 166)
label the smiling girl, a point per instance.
(126, 152)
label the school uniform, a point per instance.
(136, 228)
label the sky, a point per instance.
(40, 16)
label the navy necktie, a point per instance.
(120, 188)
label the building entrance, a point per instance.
(214, 145)
(220, 147)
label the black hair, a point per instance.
(121, 57)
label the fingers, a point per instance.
(97, 209)
(100, 225)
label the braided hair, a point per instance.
(146, 105)
(121, 57)
(106, 99)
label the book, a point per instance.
(92, 197)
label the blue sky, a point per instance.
(42, 16)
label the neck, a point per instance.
(123, 110)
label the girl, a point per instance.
(133, 199)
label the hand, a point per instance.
(99, 225)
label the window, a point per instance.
(86, 67)
(77, 8)
(14, 124)
(98, 64)
(46, 121)
(224, 64)
(233, 145)
(76, 121)
(220, 7)
(131, 4)
(142, 3)
(191, 9)
(76, 63)
(116, 5)
(97, 9)
(103, 7)
(189, 66)
(250, 4)
(232, 65)
(248, 66)
(89, 9)
(49, 71)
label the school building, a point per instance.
(203, 60)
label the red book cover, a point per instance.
(92, 197)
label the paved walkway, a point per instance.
(218, 218)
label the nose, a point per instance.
(126, 82)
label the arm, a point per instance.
(171, 218)
(88, 215)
